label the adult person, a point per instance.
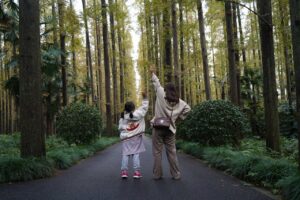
(168, 105)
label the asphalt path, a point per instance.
(98, 178)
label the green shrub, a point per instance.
(79, 123)
(65, 158)
(270, 171)
(115, 131)
(53, 142)
(290, 187)
(214, 123)
(287, 121)
(19, 169)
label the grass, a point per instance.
(251, 163)
(60, 155)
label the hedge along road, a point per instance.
(98, 178)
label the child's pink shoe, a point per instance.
(124, 174)
(137, 175)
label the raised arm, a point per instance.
(142, 110)
(155, 82)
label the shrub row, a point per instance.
(261, 170)
(214, 123)
(60, 155)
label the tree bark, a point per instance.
(204, 50)
(231, 54)
(175, 47)
(295, 26)
(31, 119)
(88, 51)
(62, 36)
(167, 42)
(99, 56)
(269, 77)
(285, 43)
(182, 90)
(106, 67)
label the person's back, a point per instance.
(167, 106)
(132, 128)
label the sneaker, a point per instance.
(137, 175)
(124, 174)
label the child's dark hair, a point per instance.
(129, 108)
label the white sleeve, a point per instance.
(185, 111)
(159, 90)
(142, 110)
(122, 126)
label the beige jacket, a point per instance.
(164, 109)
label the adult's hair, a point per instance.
(129, 108)
(171, 93)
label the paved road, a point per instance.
(97, 178)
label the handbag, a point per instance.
(163, 122)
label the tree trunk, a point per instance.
(88, 51)
(241, 37)
(114, 65)
(106, 67)
(98, 53)
(285, 43)
(31, 119)
(175, 47)
(73, 59)
(167, 42)
(62, 36)
(231, 54)
(182, 91)
(204, 50)
(269, 78)
(295, 26)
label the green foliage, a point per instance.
(79, 123)
(287, 120)
(269, 171)
(115, 131)
(9, 145)
(214, 123)
(53, 142)
(290, 187)
(66, 157)
(60, 155)
(247, 164)
(18, 169)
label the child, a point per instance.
(132, 127)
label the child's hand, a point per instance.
(152, 69)
(144, 95)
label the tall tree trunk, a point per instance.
(73, 59)
(241, 37)
(295, 26)
(106, 67)
(98, 53)
(62, 36)
(285, 43)
(31, 119)
(88, 51)
(236, 51)
(175, 47)
(231, 54)
(204, 50)
(114, 65)
(181, 50)
(269, 77)
(167, 42)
